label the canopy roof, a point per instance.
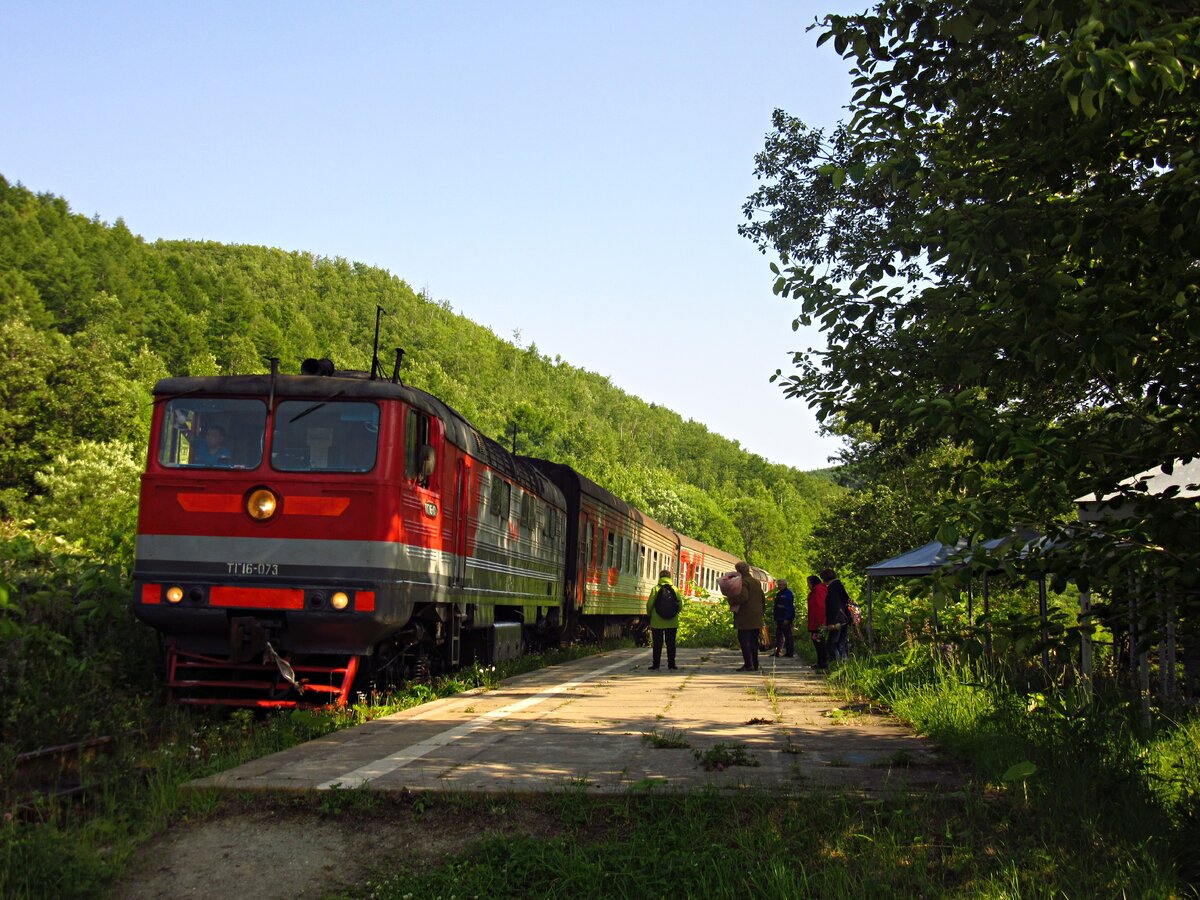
(1183, 483)
(928, 559)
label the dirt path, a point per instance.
(281, 849)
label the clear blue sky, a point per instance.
(574, 171)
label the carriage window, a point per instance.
(550, 523)
(500, 502)
(216, 432)
(325, 436)
(642, 559)
(612, 549)
(527, 520)
(590, 558)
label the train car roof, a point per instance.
(358, 386)
(572, 482)
(692, 543)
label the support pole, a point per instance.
(1045, 627)
(1166, 645)
(1172, 682)
(1085, 641)
(870, 630)
(1139, 657)
(987, 632)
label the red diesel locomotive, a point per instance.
(299, 534)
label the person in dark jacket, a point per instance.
(837, 615)
(748, 617)
(663, 628)
(785, 616)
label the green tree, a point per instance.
(1001, 245)
(91, 497)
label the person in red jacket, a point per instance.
(816, 619)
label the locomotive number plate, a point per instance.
(430, 509)
(251, 568)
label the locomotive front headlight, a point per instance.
(261, 504)
(174, 593)
(340, 600)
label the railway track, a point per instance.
(45, 780)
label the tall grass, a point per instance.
(1074, 761)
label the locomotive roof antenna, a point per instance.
(376, 368)
(396, 367)
(274, 361)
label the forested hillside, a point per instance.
(91, 315)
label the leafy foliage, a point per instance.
(69, 642)
(1000, 247)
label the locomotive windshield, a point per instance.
(213, 433)
(325, 436)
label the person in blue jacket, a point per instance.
(664, 627)
(785, 617)
(210, 450)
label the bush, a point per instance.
(706, 623)
(92, 496)
(73, 660)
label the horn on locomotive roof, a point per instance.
(274, 361)
(376, 368)
(312, 366)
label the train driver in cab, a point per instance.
(208, 447)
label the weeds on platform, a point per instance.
(722, 756)
(671, 739)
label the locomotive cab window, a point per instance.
(212, 433)
(418, 447)
(325, 436)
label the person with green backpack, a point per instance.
(663, 607)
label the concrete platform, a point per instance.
(584, 725)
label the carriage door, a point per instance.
(423, 471)
(462, 498)
(586, 559)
